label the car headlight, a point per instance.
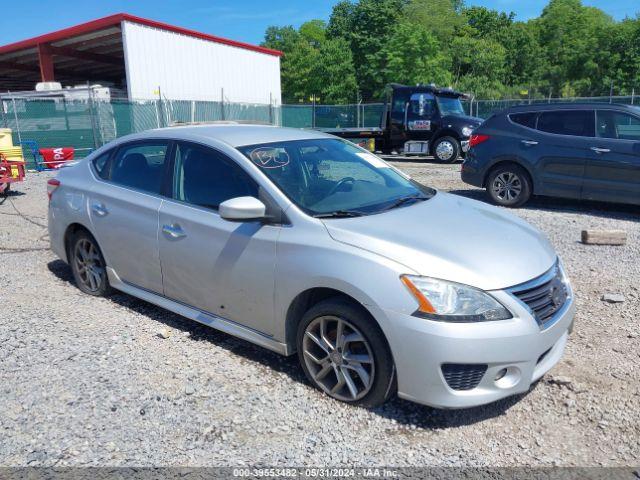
(453, 302)
(466, 131)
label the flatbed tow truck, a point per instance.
(421, 120)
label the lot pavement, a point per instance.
(117, 381)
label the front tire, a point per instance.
(509, 186)
(88, 266)
(446, 149)
(344, 354)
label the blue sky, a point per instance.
(243, 20)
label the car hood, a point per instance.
(462, 120)
(452, 238)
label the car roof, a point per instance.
(539, 107)
(235, 135)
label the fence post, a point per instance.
(633, 92)
(4, 115)
(313, 111)
(270, 108)
(193, 111)
(222, 113)
(15, 114)
(93, 122)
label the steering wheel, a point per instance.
(341, 182)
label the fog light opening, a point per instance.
(507, 377)
(501, 374)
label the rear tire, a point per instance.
(88, 266)
(509, 185)
(344, 353)
(446, 149)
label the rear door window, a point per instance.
(577, 123)
(618, 125)
(140, 166)
(526, 119)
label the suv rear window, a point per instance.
(527, 119)
(577, 123)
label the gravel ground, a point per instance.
(86, 381)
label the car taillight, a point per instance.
(477, 139)
(51, 187)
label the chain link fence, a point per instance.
(485, 108)
(88, 123)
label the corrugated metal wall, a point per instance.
(188, 68)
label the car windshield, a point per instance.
(450, 105)
(334, 178)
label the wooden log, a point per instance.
(604, 237)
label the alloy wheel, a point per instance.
(507, 186)
(338, 358)
(89, 266)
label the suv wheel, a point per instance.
(88, 265)
(345, 355)
(509, 186)
(446, 149)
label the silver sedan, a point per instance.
(301, 242)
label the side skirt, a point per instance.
(199, 316)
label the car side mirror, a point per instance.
(242, 209)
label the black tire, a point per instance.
(6, 190)
(88, 265)
(374, 380)
(446, 150)
(509, 185)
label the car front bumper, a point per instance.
(420, 347)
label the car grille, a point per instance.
(461, 376)
(544, 296)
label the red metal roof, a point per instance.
(116, 19)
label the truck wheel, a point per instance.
(446, 149)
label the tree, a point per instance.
(372, 23)
(439, 17)
(571, 36)
(341, 20)
(413, 55)
(314, 32)
(488, 23)
(333, 75)
(280, 38)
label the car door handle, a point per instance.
(174, 231)
(600, 150)
(99, 209)
(529, 143)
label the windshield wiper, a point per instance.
(405, 200)
(339, 214)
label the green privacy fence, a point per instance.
(87, 123)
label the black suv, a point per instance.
(584, 151)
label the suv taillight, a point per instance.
(51, 187)
(477, 139)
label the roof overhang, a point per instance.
(91, 51)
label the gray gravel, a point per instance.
(86, 381)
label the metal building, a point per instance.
(146, 59)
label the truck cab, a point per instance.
(425, 119)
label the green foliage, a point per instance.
(413, 55)
(334, 78)
(570, 50)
